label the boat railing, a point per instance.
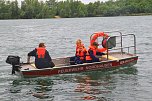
(122, 44)
(132, 45)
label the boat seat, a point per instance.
(110, 57)
(29, 67)
(33, 65)
(104, 57)
(59, 65)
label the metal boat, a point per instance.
(121, 51)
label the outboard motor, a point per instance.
(14, 61)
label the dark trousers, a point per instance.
(88, 61)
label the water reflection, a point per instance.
(37, 87)
(85, 85)
(91, 88)
(95, 85)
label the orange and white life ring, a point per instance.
(94, 38)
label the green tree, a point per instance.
(52, 5)
(5, 9)
(14, 9)
(34, 9)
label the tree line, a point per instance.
(34, 9)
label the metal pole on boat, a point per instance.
(121, 43)
(107, 50)
(134, 44)
(13, 69)
(107, 54)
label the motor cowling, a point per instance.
(14, 61)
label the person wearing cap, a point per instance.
(42, 57)
(92, 52)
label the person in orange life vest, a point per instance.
(92, 52)
(78, 43)
(42, 57)
(80, 52)
(79, 57)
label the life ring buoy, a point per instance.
(94, 38)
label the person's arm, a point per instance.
(101, 49)
(32, 53)
(100, 53)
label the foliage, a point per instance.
(34, 9)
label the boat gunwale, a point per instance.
(79, 65)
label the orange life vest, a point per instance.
(41, 52)
(77, 47)
(88, 55)
(80, 51)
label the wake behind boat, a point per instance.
(119, 53)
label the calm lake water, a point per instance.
(18, 37)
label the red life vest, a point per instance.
(88, 55)
(41, 52)
(80, 51)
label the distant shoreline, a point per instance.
(58, 17)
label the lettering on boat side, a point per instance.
(68, 70)
(126, 61)
(97, 66)
(92, 67)
(82, 68)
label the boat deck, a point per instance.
(59, 62)
(116, 56)
(121, 55)
(28, 67)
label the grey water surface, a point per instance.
(18, 37)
